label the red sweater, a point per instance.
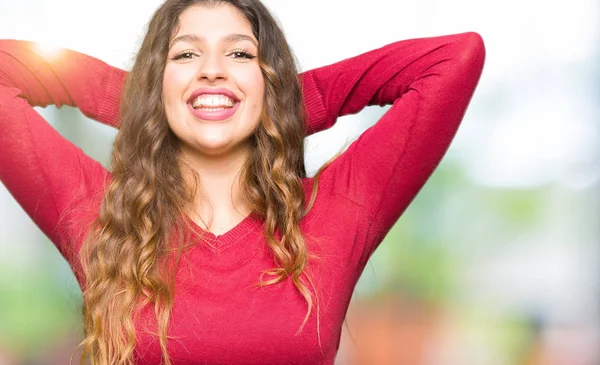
(219, 315)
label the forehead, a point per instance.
(218, 20)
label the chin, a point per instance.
(218, 148)
(213, 148)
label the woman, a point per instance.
(206, 243)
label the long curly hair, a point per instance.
(126, 255)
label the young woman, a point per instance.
(206, 243)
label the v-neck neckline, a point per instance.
(246, 226)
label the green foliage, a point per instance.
(449, 219)
(35, 310)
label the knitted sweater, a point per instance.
(219, 315)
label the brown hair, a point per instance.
(125, 255)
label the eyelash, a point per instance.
(188, 52)
(245, 54)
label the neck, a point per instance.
(219, 195)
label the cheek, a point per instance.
(175, 83)
(174, 86)
(256, 85)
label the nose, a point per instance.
(212, 68)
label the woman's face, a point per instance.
(213, 87)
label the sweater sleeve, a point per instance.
(52, 179)
(63, 77)
(429, 82)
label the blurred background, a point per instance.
(497, 260)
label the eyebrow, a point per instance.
(231, 38)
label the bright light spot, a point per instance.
(49, 50)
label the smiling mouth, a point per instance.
(213, 107)
(212, 102)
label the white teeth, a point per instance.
(211, 102)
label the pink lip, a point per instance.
(217, 115)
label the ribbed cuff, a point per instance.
(108, 112)
(316, 113)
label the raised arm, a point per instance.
(378, 77)
(54, 181)
(75, 79)
(430, 82)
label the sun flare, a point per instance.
(49, 50)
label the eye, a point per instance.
(188, 54)
(241, 54)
